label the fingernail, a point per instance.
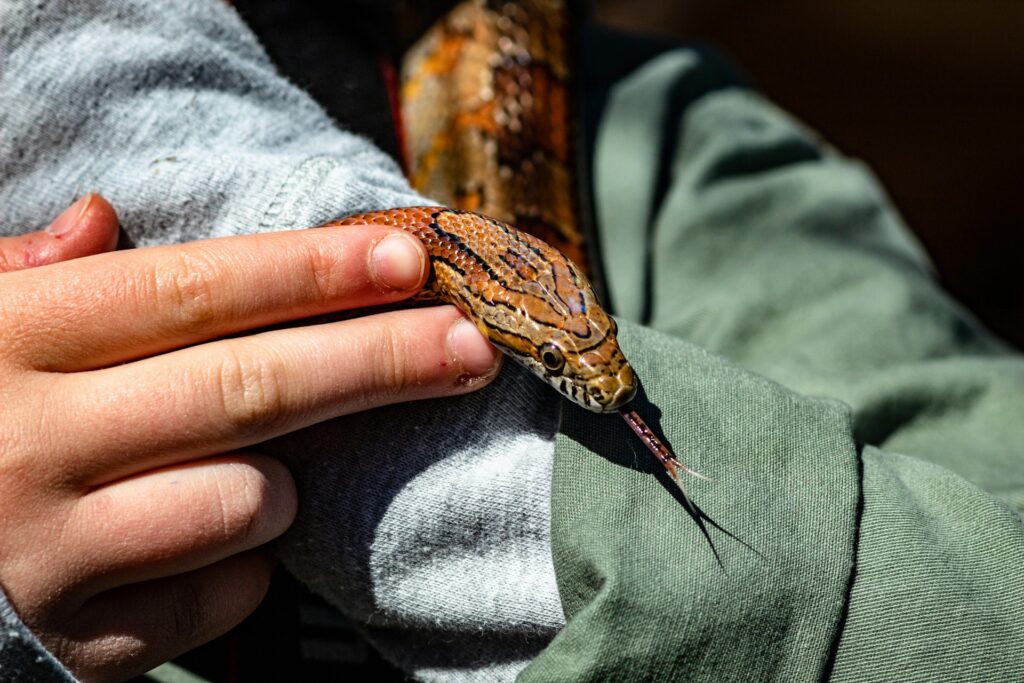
(70, 217)
(397, 262)
(475, 354)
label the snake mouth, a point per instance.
(615, 391)
(623, 395)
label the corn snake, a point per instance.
(486, 120)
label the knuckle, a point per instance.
(392, 374)
(187, 287)
(245, 499)
(251, 391)
(18, 328)
(6, 263)
(324, 274)
(23, 440)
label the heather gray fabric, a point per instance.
(172, 111)
(22, 657)
(438, 541)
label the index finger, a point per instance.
(110, 308)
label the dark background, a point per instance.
(929, 93)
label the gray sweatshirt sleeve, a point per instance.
(22, 657)
(172, 110)
(428, 524)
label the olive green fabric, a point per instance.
(866, 435)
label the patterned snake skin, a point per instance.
(487, 126)
(527, 298)
(534, 304)
(488, 117)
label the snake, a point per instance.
(534, 304)
(485, 121)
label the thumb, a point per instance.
(89, 226)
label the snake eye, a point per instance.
(552, 358)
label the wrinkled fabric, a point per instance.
(424, 523)
(865, 433)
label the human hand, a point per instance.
(89, 226)
(132, 522)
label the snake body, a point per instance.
(533, 303)
(486, 121)
(529, 299)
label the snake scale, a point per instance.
(485, 103)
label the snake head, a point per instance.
(528, 298)
(545, 315)
(595, 375)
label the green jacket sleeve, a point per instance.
(866, 434)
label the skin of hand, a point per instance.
(132, 386)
